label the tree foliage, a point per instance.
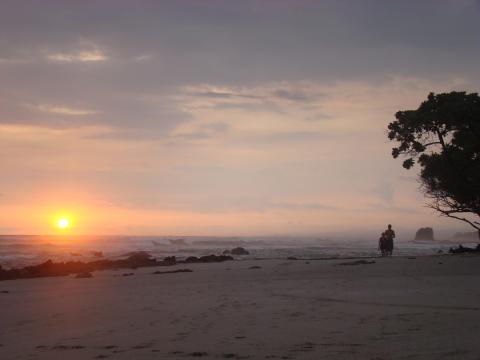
(443, 137)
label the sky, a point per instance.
(221, 117)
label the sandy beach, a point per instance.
(394, 308)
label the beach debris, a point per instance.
(208, 258)
(67, 347)
(172, 271)
(358, 262)
(100, 356)
(198, 354)
(84, 275)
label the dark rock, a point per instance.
(191, 259)
(128, 274)
(255, 267)
(84, 275)
(208, 258)
(172, 272)
(424, 234)
(463, 249)
(75, 254)
(239, 251)
(226, 252)
(214, 258)
(138, 255)
(97, 253)
(133, 261)
(169, 260)
(198, 354)
(358, 262)
(292, 258)
(4, 292)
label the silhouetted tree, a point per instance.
(443, 137)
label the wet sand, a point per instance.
(395, 308)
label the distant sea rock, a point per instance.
(467, 236)
(424, 234)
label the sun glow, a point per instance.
(63, 223)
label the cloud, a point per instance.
(143, 57)
(204, 131)
(95, 55)
(291, 94)
(65, 110)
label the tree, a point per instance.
(443, 137)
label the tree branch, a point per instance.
(448, 213)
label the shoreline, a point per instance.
(141, 260)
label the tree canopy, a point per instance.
(443, 137)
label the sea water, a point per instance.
(21, 250)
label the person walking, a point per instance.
(389, 235)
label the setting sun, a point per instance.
(63, 223)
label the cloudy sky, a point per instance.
(220, 117)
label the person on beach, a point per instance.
(382, 242)
(389, 235)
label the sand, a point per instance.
(395, 308)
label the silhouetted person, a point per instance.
(389, 235)
(382, 244)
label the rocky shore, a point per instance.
(132, 261)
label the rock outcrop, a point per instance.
(424, 234)
(207, 259)
(133, 261)
(463, 249)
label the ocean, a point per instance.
(23, 250)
